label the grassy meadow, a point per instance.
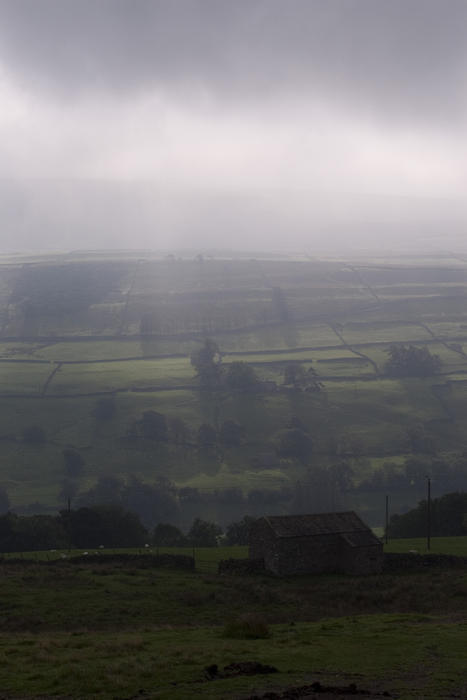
(101, 628)
(75, 329)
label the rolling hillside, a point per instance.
(79, 328)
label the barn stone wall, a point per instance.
(362, 560)
(263, 545)
(301, 555)
(325, 553)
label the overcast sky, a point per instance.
(232, 123)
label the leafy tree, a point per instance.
(29, 533)
(109, 525)
(4, 501)
(108, 489)
(8, 533)
(411, 361)
(298, 377)
(152, 502)
(39, 532)
(447, 518)
(203, 533)
(166, 535)
(231, 433)
(179, 431)
(153, 426)
(238, 533)
(241, 377)
(207, 436)
(73, 463)
(207, 363)
(34, 435)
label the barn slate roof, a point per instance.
(348, 524)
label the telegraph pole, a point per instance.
(428, 514)
(386, 527)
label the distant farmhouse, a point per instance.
(322, 543)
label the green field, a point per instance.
(126, 326)
(101, 628)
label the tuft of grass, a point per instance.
(247, 626)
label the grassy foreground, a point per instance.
(101, 629)
(393, 652)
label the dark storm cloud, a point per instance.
(407, 58)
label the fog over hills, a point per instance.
(329, 125)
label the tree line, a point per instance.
(448, 518)
(108, 526)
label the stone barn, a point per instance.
(316, 544)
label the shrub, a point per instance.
(247, 626)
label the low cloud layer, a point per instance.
(182, 123)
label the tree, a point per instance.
(203, 533)
(447, 518)
(166, 535)
(241, 377)
(4, 501)
(153, 426)
(231, 433)
(109, 525)
(179, 431)
(108, 489)
(152, 502)
(207, 436)
(29, 533)
(238, 533)
(411, 361)
(207, 363)
(298, 377)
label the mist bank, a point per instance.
(44, 215)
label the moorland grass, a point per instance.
(106, 631)
(169, 663)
